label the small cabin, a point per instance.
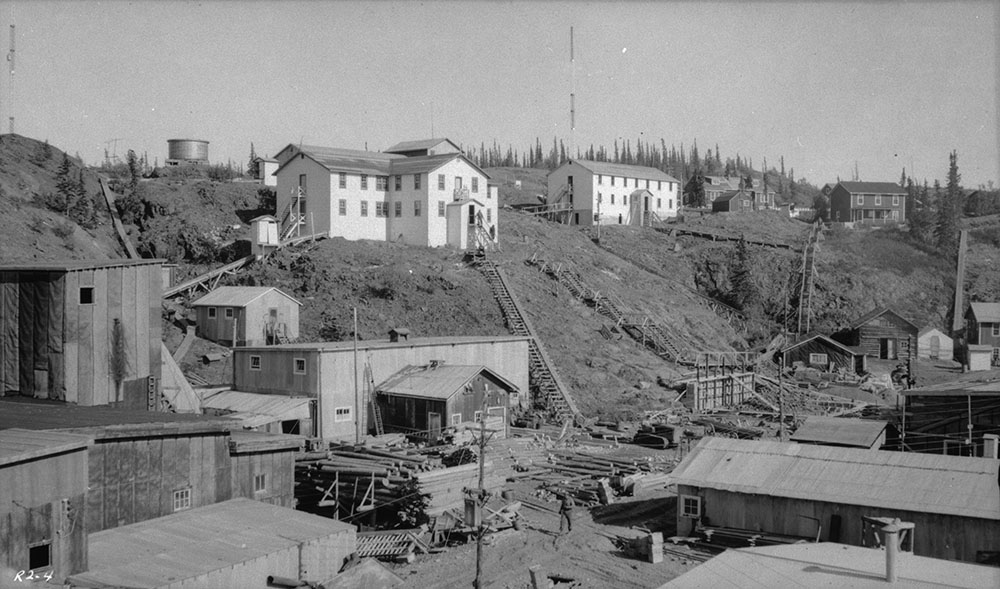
(885, 334)
(247, 316)
(430, 397)
(820, 352)
(934, 344)
(264, 230)
(983, 320)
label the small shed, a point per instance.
(884, 333)
(264, 230)
(247, 316)
(842, 431)
(733, 201)
(816, 350)
(934, 344)
(430, 397)
(43, 494)
(236, 543)
(980, 357)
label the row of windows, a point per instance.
(635, 182)
(382, 182)
(342, 414)
(659, 201)
(182, 497)
(878, 199)
(213, 312)
(298, 364)
(382, 210)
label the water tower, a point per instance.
(186, 152)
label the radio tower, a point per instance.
(10, 84)
(572, 99)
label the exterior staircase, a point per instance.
(807, 279)
(548, 389)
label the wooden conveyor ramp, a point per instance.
(807, 279)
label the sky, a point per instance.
(827, 85)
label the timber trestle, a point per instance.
(807, 279)
(549, 389)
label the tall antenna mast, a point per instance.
(572, 98)
(10, 85)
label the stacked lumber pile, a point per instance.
(391, 545)
(585, 474)
(446, 486)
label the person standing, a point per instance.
(566, 514)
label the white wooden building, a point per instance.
(247, 316)
(620, 194)
(421, 193)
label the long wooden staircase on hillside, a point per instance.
(807, 278)
(639, 326)
(548, 388)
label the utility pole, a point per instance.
(781, 400)
(357, 403)
(481, 494)
(10, 85)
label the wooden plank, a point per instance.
(26, 328)
(196, 468)
(140, 307)
(224, 469)
(114, 311)
(71, 346)
(154, 499)
(103, 387)
(10, 341)
(85, 340)
(42, 302)
(56, 359)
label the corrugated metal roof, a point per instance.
(238, 296)
(842, 431)
(927, 483)
(17, 445)
(828, 564)
(187, 544)
(382, 344)
(253, 407)
(612, 169)
(70, 265)
(873, 187)
(441, 382)
(985, 312)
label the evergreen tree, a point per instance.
(83, 211)
(921, 220)
(948, 208)
(694, 190)
(954, 187)
(821, 204)
(745, 295)
(252, 164)
(65, 186)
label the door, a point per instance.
(569, 183)
(935, 347)
(433, 427)
(887, 348)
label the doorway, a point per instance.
(887, 348)
(433, 427)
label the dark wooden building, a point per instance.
(734, 201)
(43, 490)
(983, 321)
(85, 332)
(873, 203)
(831, 493)
(818, 351)
(939, 416)
(143, 465)
(884, 333)
(430, 397)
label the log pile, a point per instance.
(584, 475)
(446, 486)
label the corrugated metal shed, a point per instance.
(192, 543)
(256, 409)
(18, 445)
(828, 564)
(238, 296)
(441, 382)
(840, 431)
(927, 483)
(985, 312)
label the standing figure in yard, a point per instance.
(566, 514)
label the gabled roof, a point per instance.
(985, 312)
(440, 382)
(730, 195)
(237, 296)
(344, 160)
(928, 329)
(403, 146)
(925, 483)
(265, 218)
(422, 164)
(840, 431)
(873, 187)
(612, 169)
(875, 313)
(639, 191)
(814, 335)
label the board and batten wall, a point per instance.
(54, 346)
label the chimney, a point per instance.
(892, 533)
(991, 446)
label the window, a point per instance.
(514, 398)
(820, 359)
(670, 203)
(299, 365)
(254, 362)
(659, 203)
(342, 414)
(600, 198)
(612, 197)
(861, 199)
(259, 483)
(229, 313)
(996, 329)
(302, 183)
(489, 215)
(612, 180)
(381, 209)
(440, 208)
(40, 555)
(342, 207)
(895, 200)
(399, 182)
(343, 179)
(182, 499)
(399, 209)
(86, 295)
(211, 312)
(647, 184)
(416, 181)
(364, 181)
(416, 208)
(456, 418)
(895, 215)
(600, 179)
(624, 199)
(364, 208)
(475, 184)
(477, 416)
(440, 181)
(690, 506)
(659, 184)
(382, 183)
(878, 199)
